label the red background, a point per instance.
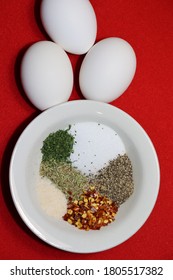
(148, 26)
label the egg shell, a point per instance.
(107, 70)
(70, 23)
(46, 74)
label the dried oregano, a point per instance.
(67, 178)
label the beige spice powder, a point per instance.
(51, 200)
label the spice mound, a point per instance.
(116, 179)
(91, 211)
(65, 176)
(58, 146)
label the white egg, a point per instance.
(70, 23)
(107, 70)
(46, 74)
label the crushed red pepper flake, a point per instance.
(91, 211)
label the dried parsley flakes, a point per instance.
(58, 146)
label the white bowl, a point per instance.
(132, 214)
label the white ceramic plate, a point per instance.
(132, 214)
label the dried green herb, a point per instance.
(58, 146)
(67, 178)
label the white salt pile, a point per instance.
(95, 145)
(51, 200)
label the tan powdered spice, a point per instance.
(51, 200)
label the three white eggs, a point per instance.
(46, 71)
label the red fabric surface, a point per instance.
(148, 27)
